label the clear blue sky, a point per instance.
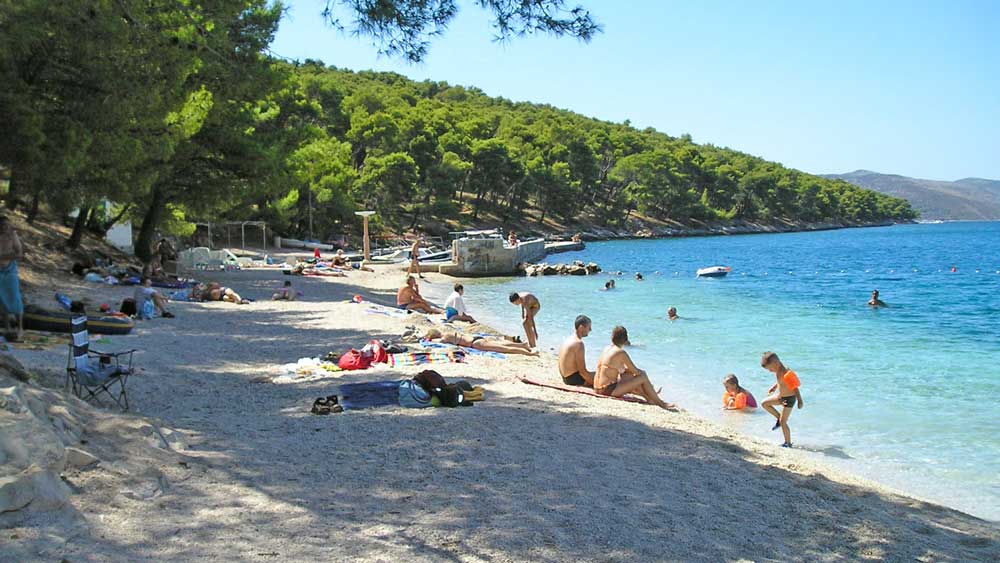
(903, 87)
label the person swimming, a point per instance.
(672, 314)
(875, 301)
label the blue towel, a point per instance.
(369, 395)
(10, 290)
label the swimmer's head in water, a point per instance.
(672, 312)
(875, 293)
(619, 336)
(638, 276)
(608, 285)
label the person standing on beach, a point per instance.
(11, 304)
(415, 258)
(617, 376)
(787, 395)
(529, 308)
(572, 360)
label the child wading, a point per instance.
(787, 394)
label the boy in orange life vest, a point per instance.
(787, 396)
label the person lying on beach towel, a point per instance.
(617, 375)
(480, 343)
(214, 291)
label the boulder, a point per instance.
(75, 457)
(577, 271)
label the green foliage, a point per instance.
(175, 110)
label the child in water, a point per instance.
(736, 398)
(787, 386)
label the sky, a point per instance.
(900, 87)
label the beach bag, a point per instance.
(453, 396)
(379, 356)
(430, 380)
(128, 307)
(413, 396)
(354, 360)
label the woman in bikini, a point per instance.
(617, 376)
(480, 343)
(216, 292)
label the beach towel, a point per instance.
(306, 369)
(471, 351)
(582, 391)
(421, 358)
(10, 290)
(369, 395)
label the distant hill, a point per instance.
(972, 199)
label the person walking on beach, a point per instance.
(875, 301)
(529, 308)
(787, 386)
(11, 304)
(415, 258)
(617, 376)
(454, 306)
(572, 358)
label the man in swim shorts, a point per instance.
(787, 395)
(572, 360)
(408, 298)
(529, 308)
(617, 376)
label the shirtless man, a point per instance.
(672, 314)
(617, 375)
(529, 308)
(875, 301)
(572, 361)
(408, 298)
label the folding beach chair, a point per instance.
(90, 373)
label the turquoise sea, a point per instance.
(908, 396)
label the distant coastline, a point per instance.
(740, 228)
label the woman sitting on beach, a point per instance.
(479, 343)
(216, 292)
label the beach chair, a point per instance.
(90, 374)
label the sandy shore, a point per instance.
(529, 474)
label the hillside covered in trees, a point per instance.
(176, 112)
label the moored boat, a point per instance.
(713, 272)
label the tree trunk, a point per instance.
(103, 229)
(81, 221)
(144, 244)
(33, 211)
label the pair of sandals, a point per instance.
(326, 405)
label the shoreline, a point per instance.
(528, 474)
(646, 231)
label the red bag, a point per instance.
(379, 355)
(353, 359)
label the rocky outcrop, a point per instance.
(49, 438)
(577, 268)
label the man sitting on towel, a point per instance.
(572, 361)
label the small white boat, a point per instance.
(714, 272)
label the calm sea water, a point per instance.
(908, 395)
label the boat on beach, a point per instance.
(713, 272)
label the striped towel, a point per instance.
(420, 358)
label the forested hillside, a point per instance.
(176, 112)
